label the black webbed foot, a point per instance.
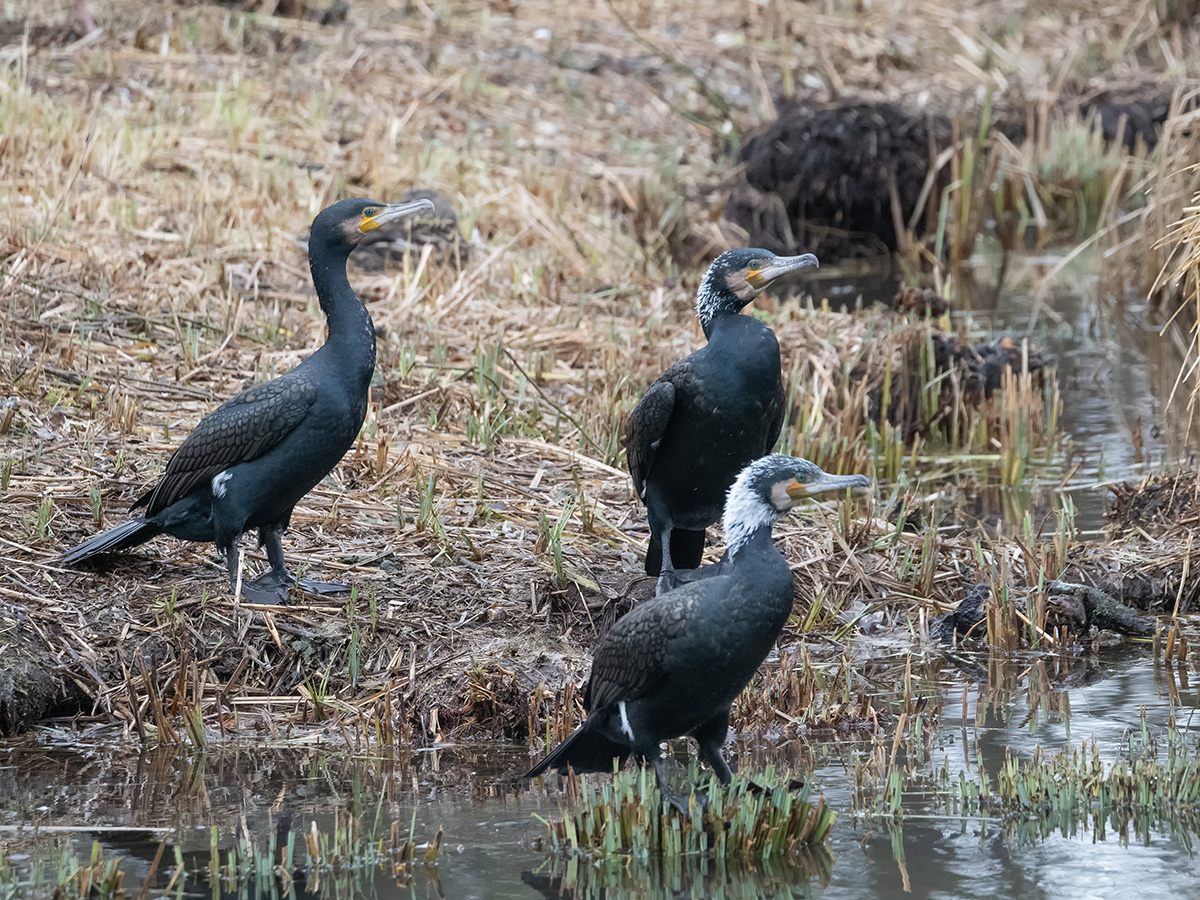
(322, 587)
(683, 802)
(270, 588)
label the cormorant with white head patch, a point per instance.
(674, 664)
(710, 414)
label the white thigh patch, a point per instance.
(625, 726)
(218, 483)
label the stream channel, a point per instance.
(67, 794)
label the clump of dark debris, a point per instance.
(822, 180)
(976, 370)
(1156, 505)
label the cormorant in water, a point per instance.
(710, 414)
(674, 664)
(250, 461)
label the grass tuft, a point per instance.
(625, 815)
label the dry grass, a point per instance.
(159, 179)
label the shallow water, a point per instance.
(1116, 376)
(492, 840)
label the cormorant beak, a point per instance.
(390, 212)
(822, 483)
(782, 265)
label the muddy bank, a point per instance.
(455, 665)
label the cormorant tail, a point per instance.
(126, 535)
(687, 550)
(584, 751)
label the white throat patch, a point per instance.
(745, 509)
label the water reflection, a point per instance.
(572, 878)
(1116, 376)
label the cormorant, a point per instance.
(674, 664)
(250, 461)
(709, 414)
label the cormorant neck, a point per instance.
(351, 331)
(343, 309)
(713, 301)
(746, 515)
(758, 540)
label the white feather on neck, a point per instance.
(708, 300)
(745, 511)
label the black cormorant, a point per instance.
(711, 413)
(674, 664)
(249, 461)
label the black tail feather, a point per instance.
(129, 534)
(687, 549)
(584, 751)
(654, 554)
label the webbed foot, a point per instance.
(683, 802)
(322, 587)
(793, 784)
(270, 588)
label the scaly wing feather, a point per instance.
(241, 429)
(632, 657)
(647, 426)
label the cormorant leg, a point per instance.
(710, 736)
(666, 574)
(272, 585)
(680, 801)
(264, 589)
(272, 541)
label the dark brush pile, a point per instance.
(819, 180)
(1157, 505)
(978, 370)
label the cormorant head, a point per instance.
(769, 487)
(737, 276)
(339, 228)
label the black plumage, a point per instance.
(710, 414)
(250, 461)
(673, 665)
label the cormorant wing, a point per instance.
(776, 425)
(647, 426)
(632, 657)
(241, 429)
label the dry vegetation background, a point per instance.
(157, 178)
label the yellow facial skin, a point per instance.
(753, 274)
(369, 222)
(796, 490)
(374, 216)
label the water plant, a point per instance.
(625, 815)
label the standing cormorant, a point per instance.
(674, 664)
(249, 461)
(709, 414)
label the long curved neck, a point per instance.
(350, 327)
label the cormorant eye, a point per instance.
(369, 212)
